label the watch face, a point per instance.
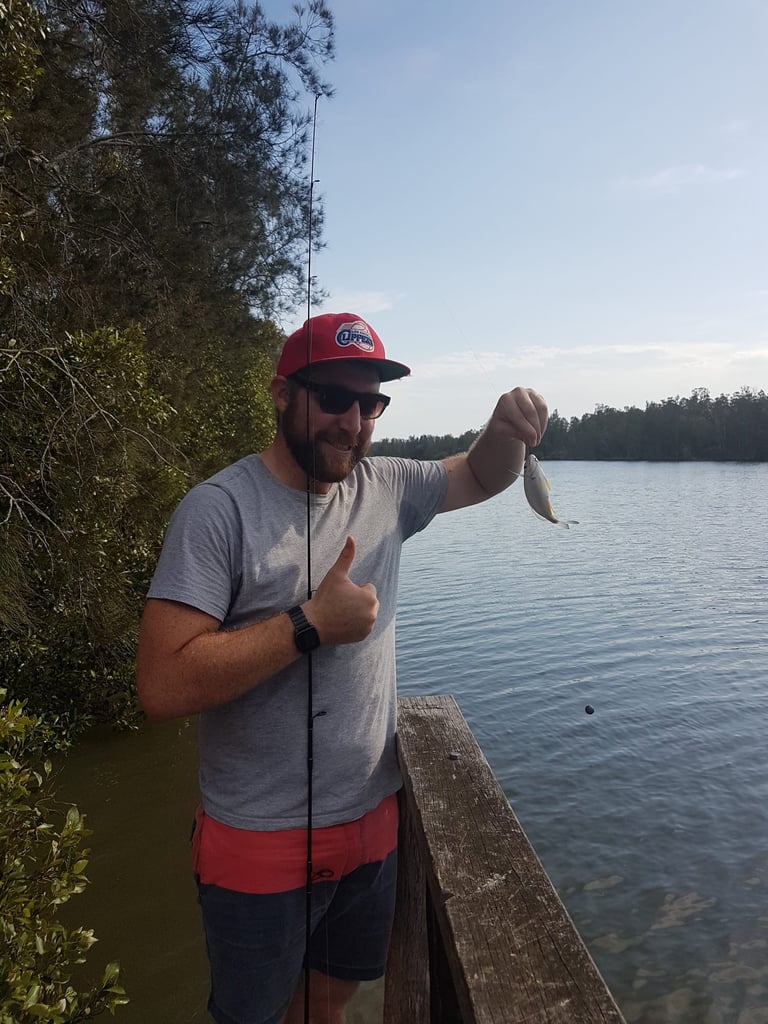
(307, 639)
(304, 633)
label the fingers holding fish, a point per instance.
(524, 414)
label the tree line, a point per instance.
(154, 205)
(154, 223)
(723, 429)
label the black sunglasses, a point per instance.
(335, 400)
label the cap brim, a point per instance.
(387, 369)
(390, 370)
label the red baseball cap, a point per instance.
(332, 336)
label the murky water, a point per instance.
(138, 791)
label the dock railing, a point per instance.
(480, 935)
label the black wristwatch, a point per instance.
(304, 633)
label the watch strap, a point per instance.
(304, 633)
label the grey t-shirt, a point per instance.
(236, 548)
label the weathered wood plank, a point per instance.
(407, 978)
(443, 1004)
(514, 953)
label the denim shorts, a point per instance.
(255, 932)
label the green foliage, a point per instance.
(20, 36)
(86, 482)
(159, 168)
(425, 446)
(727, 428)
(42, 865)
(153, 216)
(224, 406)
(7, 275)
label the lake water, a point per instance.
(650, 815)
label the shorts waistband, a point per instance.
(271, 862)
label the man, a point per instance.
(226, 633)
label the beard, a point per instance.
(320, 456)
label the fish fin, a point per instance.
(564, 524)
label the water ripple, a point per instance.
(654, 611)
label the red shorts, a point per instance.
(269, 862)
(251, 888)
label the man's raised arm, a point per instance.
(496, 458)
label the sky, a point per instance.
(568, 196)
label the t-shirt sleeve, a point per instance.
(420, 489)
(199, 563)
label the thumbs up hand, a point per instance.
(340, 611)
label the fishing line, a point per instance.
(539, 502)
(310, 708)
(456, 325)
(541, 506)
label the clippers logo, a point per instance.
(357, 334)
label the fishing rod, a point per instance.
(310, 707)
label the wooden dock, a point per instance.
(480, 936)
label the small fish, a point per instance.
(537, 490)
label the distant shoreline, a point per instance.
(729, 428)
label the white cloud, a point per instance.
(671, 179)
(471, 364)
(458, 390)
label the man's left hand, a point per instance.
(521, 414)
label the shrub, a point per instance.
(42, 865)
